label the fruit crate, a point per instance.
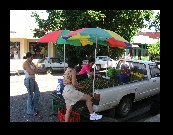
(74, 116)
(56, 105)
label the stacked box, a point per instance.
(56, 105)
(60, 81)
(74, 116)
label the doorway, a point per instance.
(139, 54)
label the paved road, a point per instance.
(140, 110)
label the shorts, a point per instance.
(71, 95)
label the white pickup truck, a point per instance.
(122, 96)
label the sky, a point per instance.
(21, 20)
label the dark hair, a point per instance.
(28, 55)
(91, 59)
(72, 61)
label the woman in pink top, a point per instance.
(87, 68)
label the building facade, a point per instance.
(21, 43)
(140, 42)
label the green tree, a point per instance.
(155, 22)
(124, 22)
(154, 49)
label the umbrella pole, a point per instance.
(107, 61)
(64, 57)
(94, 68)
(107, 66)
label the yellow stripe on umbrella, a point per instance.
(78, 37)
(85, 42)
(116, 36)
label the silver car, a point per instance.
(51, 64)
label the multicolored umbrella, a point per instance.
(100, 36)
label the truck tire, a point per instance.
(124, 107)
(98, 66)
(49, 71)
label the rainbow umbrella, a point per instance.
(99, 36)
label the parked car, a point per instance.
(103, 62)
(51, 64)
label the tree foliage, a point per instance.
(126, 23)
(156, 22)
(154, 49)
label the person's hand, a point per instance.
(80, 86)
(99, 75)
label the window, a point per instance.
(145, 53)
(155, 72)
(14, 50)
(39, 50)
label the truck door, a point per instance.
(155, 80)
(150, 86)
(142, 89)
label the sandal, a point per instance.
(35, 114)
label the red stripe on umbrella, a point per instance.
(116, 43)
(50, 37)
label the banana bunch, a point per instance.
(136, 76)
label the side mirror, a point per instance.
(157, 75)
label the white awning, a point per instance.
(135, 46)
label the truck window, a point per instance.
(55, 61)
(49, 60)
(155, 72)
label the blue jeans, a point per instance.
(33, 95)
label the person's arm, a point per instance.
(74, 82)
(26, 66)
(35, 67)
(87, 68)
(90, 73)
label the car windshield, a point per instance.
(104, 58)
(42, 61)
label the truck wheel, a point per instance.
(124, 107)
(49, 70)
(98, 66)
